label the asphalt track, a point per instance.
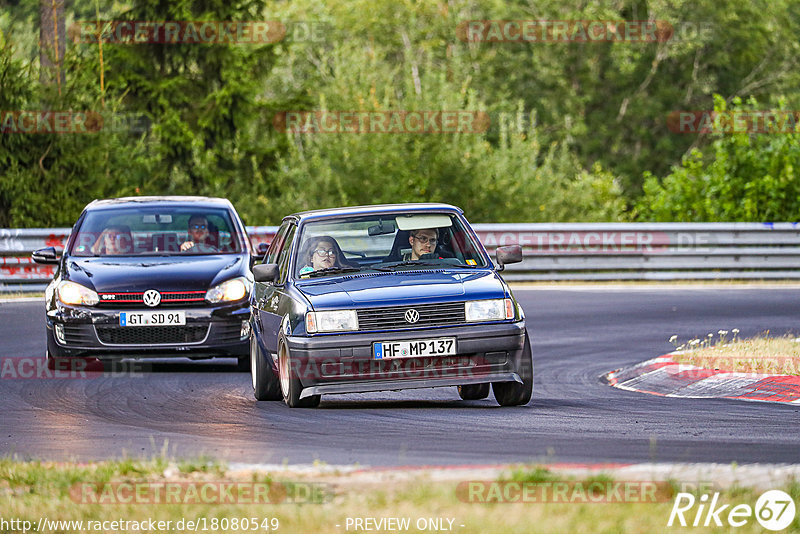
(187, 409)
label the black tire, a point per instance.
(473, 391)
(514, 393)
(290, 384)
(265, 383)
(51, 361)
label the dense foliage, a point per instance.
(578, 131)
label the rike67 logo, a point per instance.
(774, 510)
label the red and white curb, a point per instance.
(663, 376)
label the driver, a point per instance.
(198, 236)
(422, 241)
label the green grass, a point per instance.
(30, 490)
(761, 354)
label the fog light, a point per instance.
(59, 328)
(245, 331)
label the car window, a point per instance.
(284, 255)
(376, 242)
(277, 244)
(124, 231)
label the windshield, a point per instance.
(162, 231)
(385, 242)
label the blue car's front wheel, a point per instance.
(514, 393)
(290, 384)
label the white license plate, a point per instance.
(153, 318)
(444, 346)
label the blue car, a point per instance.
(387, 297)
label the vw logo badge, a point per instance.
(412, 315)
(151, 297)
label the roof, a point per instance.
(174, 200)
(377, 208)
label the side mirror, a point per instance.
(266, 272)
(46, 256)
(509, 254)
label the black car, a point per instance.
(393, 297)
(151, 277)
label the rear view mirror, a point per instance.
(46, 256)
(262, 248)
(507, 255)
(382, 228)
(266, 272)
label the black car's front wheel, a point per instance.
(514, 393)
(265, 383)
(291, 387)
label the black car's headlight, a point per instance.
(71, 293)
(489, 310)
(229, 291)
(331, 321)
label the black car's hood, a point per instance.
(168, 273)
(379, 289)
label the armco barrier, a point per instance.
(558, 251)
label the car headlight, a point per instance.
(331, 321)
(489, 310)
(72, 293)
(228, 291)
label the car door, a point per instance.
(269, 295)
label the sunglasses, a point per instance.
(322, 253)
(198, 226)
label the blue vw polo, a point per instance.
(388, 297)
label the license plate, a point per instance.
(153, 318)
(445, 346)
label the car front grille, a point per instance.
(151, 335)
(449, 313)
(135, 300)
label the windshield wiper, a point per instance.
(333, 270)
(463, 266)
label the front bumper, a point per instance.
(209, 331)
(344, 363)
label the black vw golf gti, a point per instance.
(151, 277)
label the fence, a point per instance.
(558, 251)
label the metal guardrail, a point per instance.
(551, 251)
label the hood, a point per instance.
(168, 273)
(401, 288)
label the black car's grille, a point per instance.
(168, 298)
(394, 317)
(151, 335)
